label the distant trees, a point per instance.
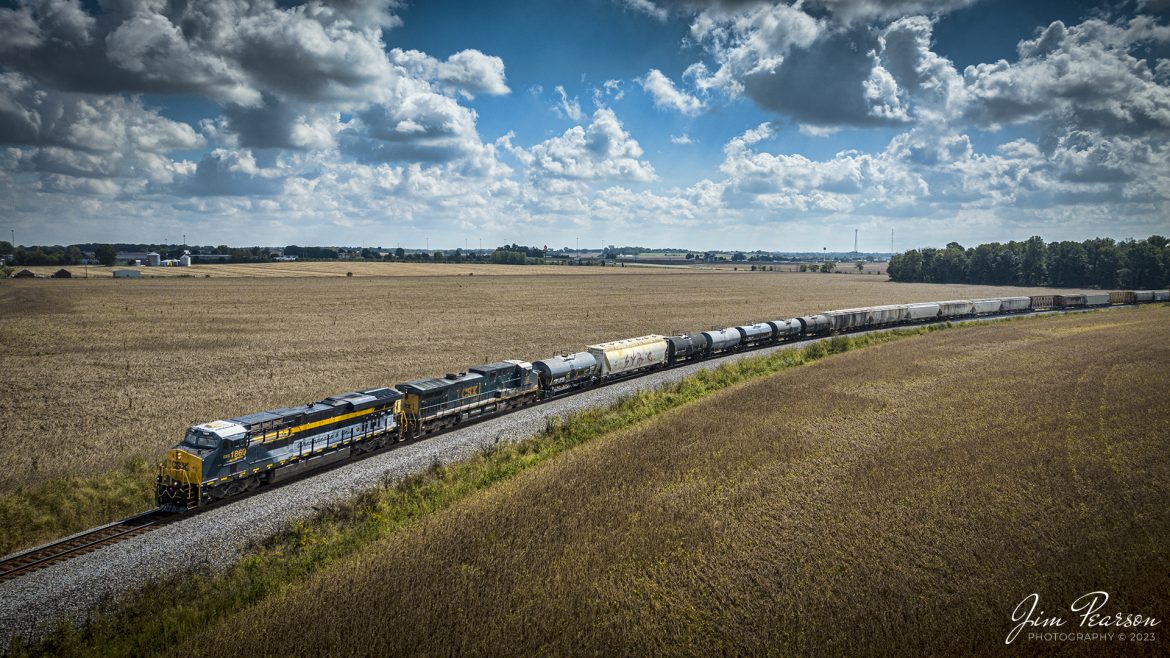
(504, 256)
(105, 254)
(1098, 263)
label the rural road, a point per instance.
(212, 540)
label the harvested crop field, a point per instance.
(100, 377)
(99, 372)
(900, 499)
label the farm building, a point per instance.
(62, 274)
(127, 274)
(24, 274)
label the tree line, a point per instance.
(1097, 263)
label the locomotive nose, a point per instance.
(179, 480)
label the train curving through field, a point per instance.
(224, 458)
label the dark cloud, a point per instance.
(268, 125)
(823, 84)
(226, 50)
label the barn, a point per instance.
(62, 274)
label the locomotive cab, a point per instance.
(180, 478)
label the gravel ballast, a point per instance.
(216, 538)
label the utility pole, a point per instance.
(578, 249)
(855, 241)
(891, 241)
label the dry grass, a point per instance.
(901, 499)
(96, 373)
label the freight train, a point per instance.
(224, 458)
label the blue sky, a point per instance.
(706, 124)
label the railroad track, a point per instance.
(91, 540)
(80, 544)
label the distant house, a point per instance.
(62, 274)
(24, 274)
(127, 274)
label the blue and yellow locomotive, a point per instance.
(228, 457)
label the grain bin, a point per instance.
(629, 354)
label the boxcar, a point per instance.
(1097, 299)
(1122, 297)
